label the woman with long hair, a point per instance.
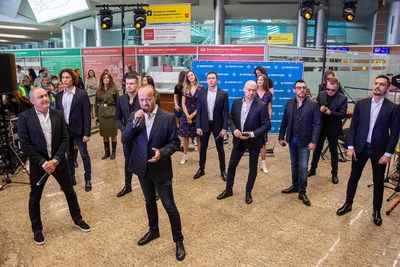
(261, 70)
(106, 100)
(178, 96)
(32, 75)
(190, 94)
(16, 103)
(264, 94)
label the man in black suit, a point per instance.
(300, 123)
(212, 117)
(373, 135)
(153, 136)
(44, 139)
(248, 121)
(126, 104)
(333, 107)
(75, 104)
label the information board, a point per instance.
(233, 75)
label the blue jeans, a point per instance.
(299, 160)
(82, 146)
(165, 192)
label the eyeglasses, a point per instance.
(331, 90)
(301, 87)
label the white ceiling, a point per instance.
(18, 12)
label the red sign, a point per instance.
(166, 50)
(148, 34)
(231, 50)
(107, 51)
(167, 69)
(231, 58)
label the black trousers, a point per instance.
(164, 189)
(63, 178)
(219, 143)
(236, 155)
(333, 149)
(378, 175)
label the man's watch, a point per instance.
(55, 162)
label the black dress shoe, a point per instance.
(180, 251)
(335, 179)
(304, 198)
(377, 218)
(223, 175)
(289, 190)
(249, 199)
(125, 190)
(88, 186)
(311, 172)
(148, 237)
(198, 174)
(225, 194)
(344, 209)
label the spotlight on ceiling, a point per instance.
(349, 9)
(106, 19)
(307, 9)
(139, 18)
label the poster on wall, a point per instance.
(56, 60)
(100, 59)
(233, 75)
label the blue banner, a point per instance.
(233, 75)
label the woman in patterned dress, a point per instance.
(187, 129)
(264, 94)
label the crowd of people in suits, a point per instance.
(150, 136)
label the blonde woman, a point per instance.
(106, 100)
(187, 129)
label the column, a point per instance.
(97, 31)
(320, 27)
(219, 22)
(301, 30)
(392, 36)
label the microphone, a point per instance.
(137, 122)
(44, 177)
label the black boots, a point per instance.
(114, 148)
(106, 150)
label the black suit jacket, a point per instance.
(79, 123)
(221, 112)
(122, 112)
(33, 142)
(163, 136)
(332, 124)
(257, 121)
(386, 129)
(309, 122)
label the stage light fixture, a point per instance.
(349, 9)
(106, 19)
(139, 19)
(307, 9)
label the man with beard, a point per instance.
(300, 123)
(373, 135)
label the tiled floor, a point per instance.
(275, 230)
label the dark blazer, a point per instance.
(221, 112)
(122, 112)
(332, 124)
(257, 121)
(33, 142)
(386, 129)
(79, 123)
(163, 136)
(309, 122)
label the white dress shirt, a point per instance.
(66, 103)
(211, 96)
(45, 123)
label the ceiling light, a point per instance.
(11, 27)
(307, 9)
(106, 19)
(4, 41)
(139, 19)
(14, 36)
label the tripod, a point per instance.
(7, 152)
